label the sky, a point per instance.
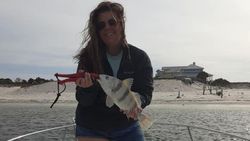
(40, 37)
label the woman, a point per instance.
(107, 52)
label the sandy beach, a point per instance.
(165, 91)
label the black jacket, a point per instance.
(92, 113)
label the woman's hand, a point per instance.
(84, 82)
(133, 113)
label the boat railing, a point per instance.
(189, 129)
(65, 127)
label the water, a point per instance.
(233, 119)
(21, 118)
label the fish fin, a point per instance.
(137, 97)
(128, 82)
(109, 102)
(145, 122)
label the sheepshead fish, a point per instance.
(118, 92)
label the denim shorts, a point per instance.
(131, 133)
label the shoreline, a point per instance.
(200, 102)
(154, 102)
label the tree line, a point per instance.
(202, 77)
(23, 82)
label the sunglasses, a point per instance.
(111, 22)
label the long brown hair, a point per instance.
(93, 47)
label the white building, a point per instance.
(176, 72)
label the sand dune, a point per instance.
(164, 91)
(50, 87)
(42, 93)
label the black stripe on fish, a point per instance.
(124, 95)
(119, 85)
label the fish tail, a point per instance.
(145, 122)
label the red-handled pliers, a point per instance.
(73, 77)
(70, 78)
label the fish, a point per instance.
(119, 93)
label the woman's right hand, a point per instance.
(85, 81)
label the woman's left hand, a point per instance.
(133, 113)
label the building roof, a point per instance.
(178, 68)
(193, 66)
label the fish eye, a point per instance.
(107, 77)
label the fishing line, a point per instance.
(58, 92)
